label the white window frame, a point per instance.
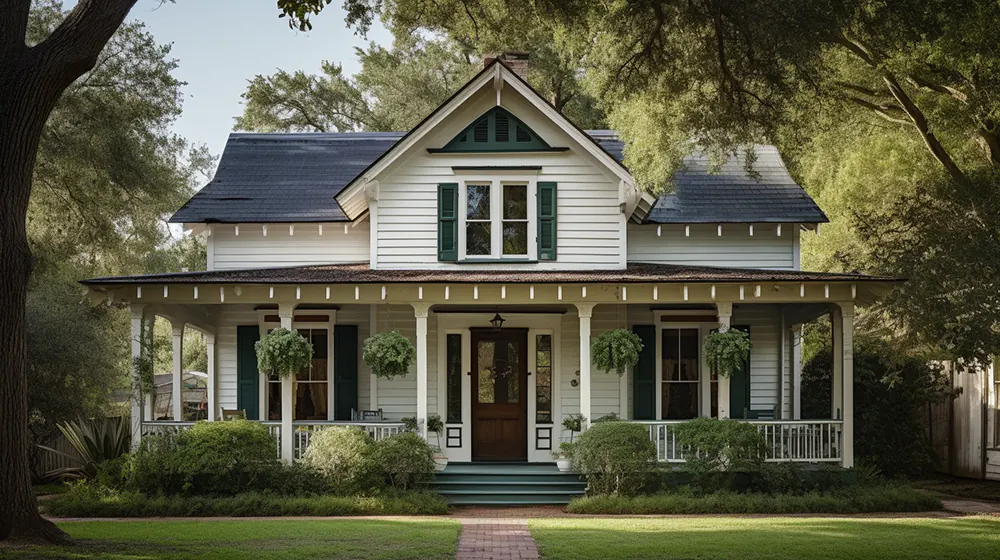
(329, 326)
(496, 216)
(662, 323)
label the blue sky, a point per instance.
(220, 44)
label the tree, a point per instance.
(32, 78)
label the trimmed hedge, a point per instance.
(88, 500)
(857, 499)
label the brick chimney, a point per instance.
(517, 61)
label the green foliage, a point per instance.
(795, 479)
(727, 350)
(616, 457)
(282, 353)
(857, 499)
(89, 500)
(714, 446)
(403, 461)
(574, 424)
(343, 456)
(617, 349)
(96, 441)
(211, 458)
(889, 390)
(389, 354)
(610, 417)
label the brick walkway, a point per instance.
(496, 539)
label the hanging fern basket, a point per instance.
(389, 354)
(283, 353)
(728, 350)
(616, 350)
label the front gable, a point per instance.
(497, 130)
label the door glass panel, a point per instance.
(486, 382)
(543, 378)
(499, 372)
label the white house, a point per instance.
(496, 204)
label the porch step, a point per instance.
(503, 484)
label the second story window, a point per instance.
(498, 220)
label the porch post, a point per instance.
(725, 312)
(213, 404)
(586, 311)
(847, 343)
(420, 311)
(285, 312)
(136, 310)
(177, 394)
(837, 379)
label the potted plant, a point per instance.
(728, 350)
(389, 354)
(617, 350)
(436, 425)
(282, 353)
(564, 457)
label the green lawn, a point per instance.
(256, 539)
(717, 538)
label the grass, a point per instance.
(707, 538)
(279, 539)
(855, 499)
(962, 487)
(92, 501)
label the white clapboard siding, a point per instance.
(230, 316)
(765, 338)
(252, 249)
(398, 397)
(705, 247)
(589, 221)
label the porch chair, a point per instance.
(366, 415)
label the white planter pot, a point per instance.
(564, 465)
(440, 462)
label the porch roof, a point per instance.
(362, 273)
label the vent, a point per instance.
(523, 135)
(481, 133)
(502, 128)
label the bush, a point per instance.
(402, 461)
(714, 446)
(616, 457)
(793, 479)
(223, 458)
(859, 499)
(89, 500)
(343, 456)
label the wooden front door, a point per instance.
(500, 394)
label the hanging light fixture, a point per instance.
(497, 321)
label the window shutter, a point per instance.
(739, 386)
(345, 371)
(247, 376)
(547, 221)
(644, 375)
(448, 222)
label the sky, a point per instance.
(220, 44)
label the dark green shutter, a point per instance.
(247, 375)
(345, 371)
(644, 375)
(547, 221)
(448, 222)
(739, 387)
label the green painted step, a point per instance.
(497, 483)
(509, 501)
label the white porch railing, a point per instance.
(302, 431)
(805, 441)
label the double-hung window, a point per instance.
(498, 220)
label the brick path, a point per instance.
(496, 539)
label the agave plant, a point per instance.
(95, 441)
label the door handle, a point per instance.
(529, 373)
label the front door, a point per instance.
(500, 394)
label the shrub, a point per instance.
(792, 478)
(714, 446)
(89, 500)
(403, 460)
(860, 499)
(343, 456)
(95, 441)
(617, 458)
(223, 458)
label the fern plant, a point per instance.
(616, 350)
(283, 353)
(728, 350)
(389, 354)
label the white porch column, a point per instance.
(149, 323)
(136, 310)
(285, 313)
(725, 312)
(586, 311)
(847, 392)
(420, 311)
(837, 379)
(213, 402)
(372, 378)
(177, 393)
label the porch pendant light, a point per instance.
(497, 321)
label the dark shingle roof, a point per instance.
(362, 273)
(295, 177)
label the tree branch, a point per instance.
(939, 88)
(887, 112)
(74, 46)
(13, 26)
